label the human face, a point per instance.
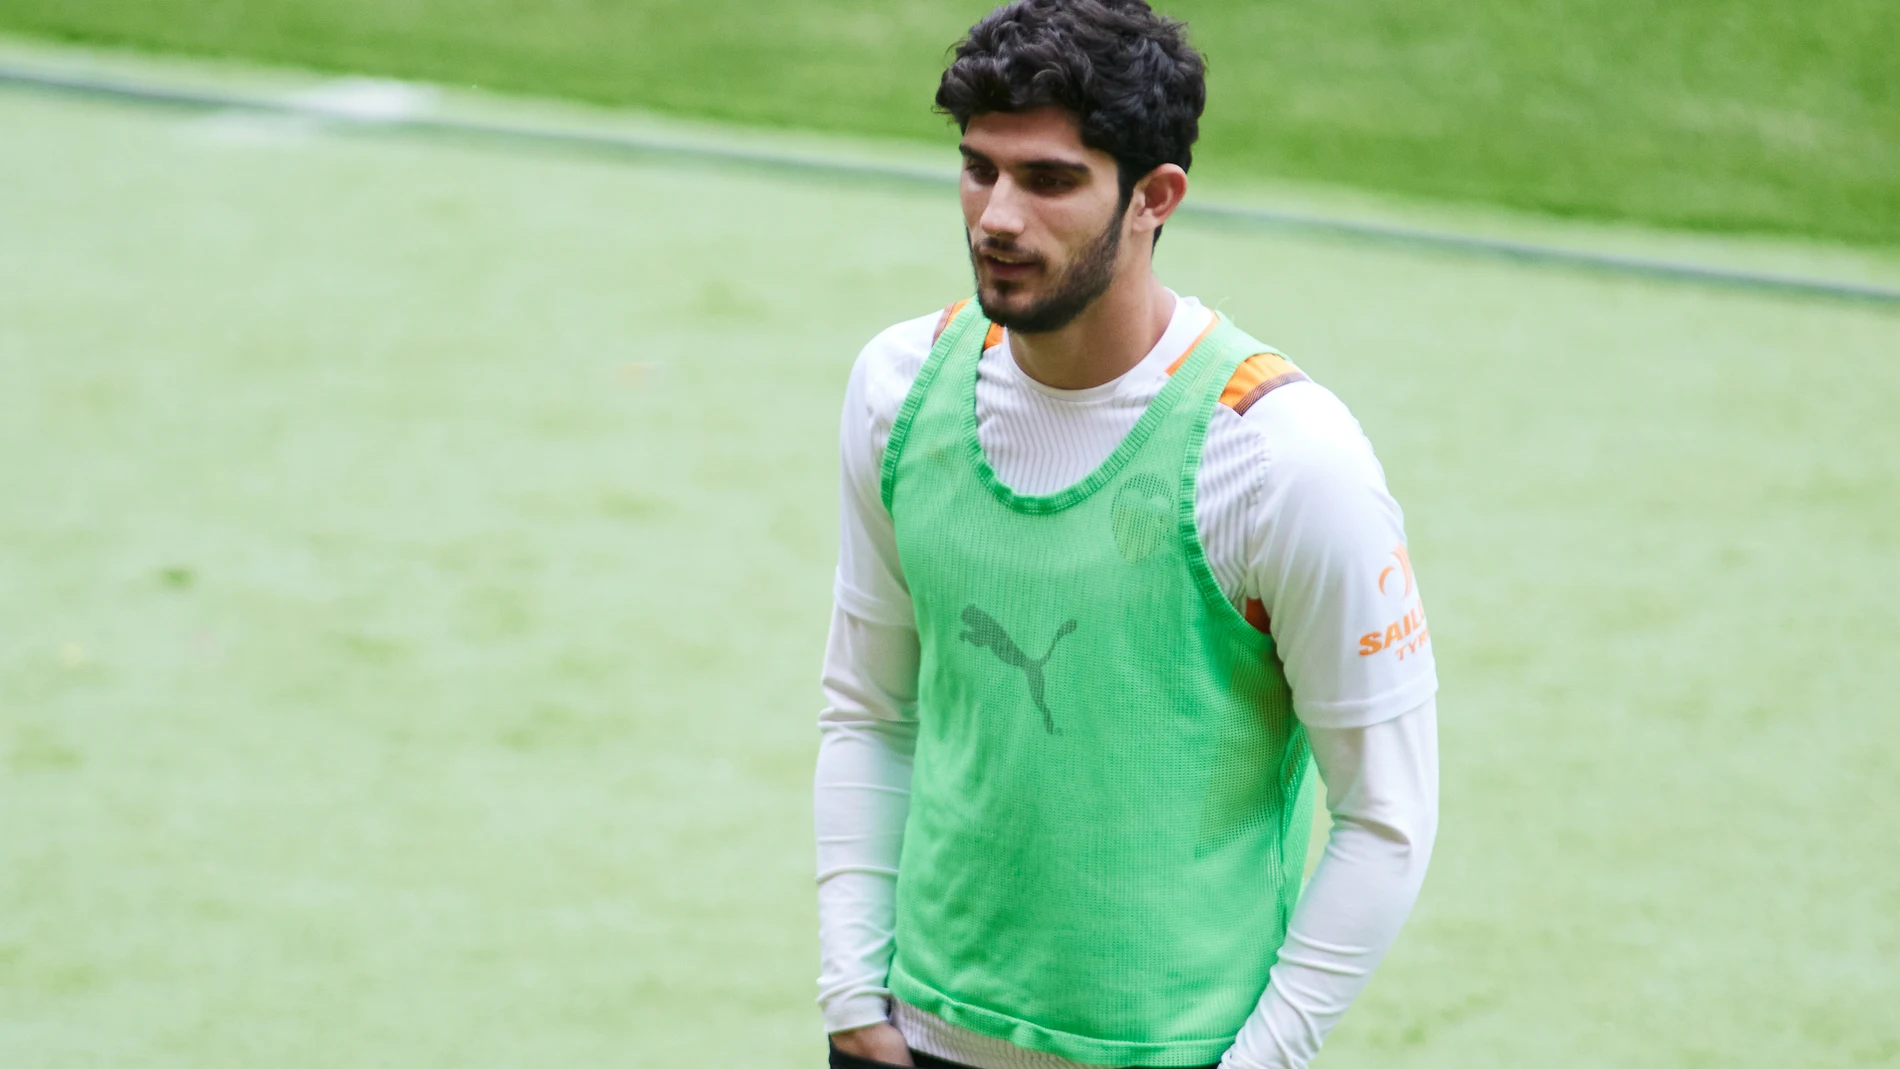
(1044, 217)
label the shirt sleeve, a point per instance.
(1327, 553)
(867, 731)
(1382, 792)
(860, 799)
(870, 580)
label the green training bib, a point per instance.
(1110, 798)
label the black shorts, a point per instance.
(841, 1060)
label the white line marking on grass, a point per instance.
(370, 100)
(342, 100)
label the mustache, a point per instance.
(1004, 248)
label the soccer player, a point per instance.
(1114, 577)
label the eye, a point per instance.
(1051, 183)
(980, 172)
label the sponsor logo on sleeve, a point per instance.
(1406, 635)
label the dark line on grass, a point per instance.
(1547, 255)
(659, 149)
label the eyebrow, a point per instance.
(1051, 164)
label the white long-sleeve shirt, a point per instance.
(1292, 509)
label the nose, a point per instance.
(1002, 214)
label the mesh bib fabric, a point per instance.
(1110, 798)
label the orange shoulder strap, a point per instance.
(1256, 377)
(949, 312)
(990, 339)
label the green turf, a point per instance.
(1706, 114)
(416, 559)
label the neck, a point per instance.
(1102, 343)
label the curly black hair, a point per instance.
(1128, 75)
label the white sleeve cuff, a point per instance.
(891, 611)
(1365, 712)
(856, 1011)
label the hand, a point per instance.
(880, 1042)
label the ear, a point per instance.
(1155, 197)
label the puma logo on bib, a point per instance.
(983, 630)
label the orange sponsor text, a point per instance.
(1403, 637)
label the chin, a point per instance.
(999, 310)
(1004, 297)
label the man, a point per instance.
(1111, 570)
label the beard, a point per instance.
(1087, 277)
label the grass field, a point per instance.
(416, 560)
(1709, 114)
